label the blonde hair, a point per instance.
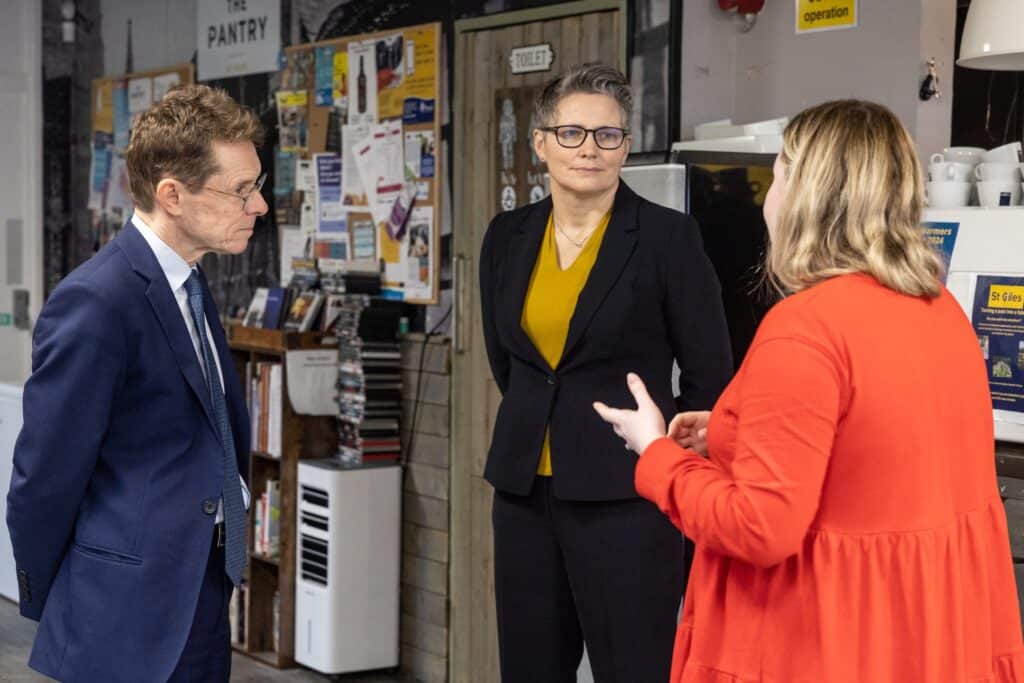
(853, 203)
(174, 138)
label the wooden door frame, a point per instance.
(467, 335)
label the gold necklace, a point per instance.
(579, 244)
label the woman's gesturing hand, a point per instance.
(637, 427)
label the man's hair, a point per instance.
(591, 78)
(853, 203)
(174, 138)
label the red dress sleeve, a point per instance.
(760, 505)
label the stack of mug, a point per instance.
(961, 176)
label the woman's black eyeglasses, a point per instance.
(606, 137)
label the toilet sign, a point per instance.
(530, 58)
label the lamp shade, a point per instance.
(993, 36)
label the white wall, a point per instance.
(163, 33)
(21, 226)
(938, 40)
(771, 71)
(21, 176)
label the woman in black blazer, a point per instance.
(579, 557)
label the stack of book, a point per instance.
(264, 401)
(369, 380)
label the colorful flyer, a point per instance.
(331, 216)
(355, 139)
(284, 173)
(364, 239)
(340, 91)
(942, 237)
(362, 82)
(324, 76)
(122, 117)
(292, 112)
(418, 67)
(103, 108)
(419, 154)
(998, 319)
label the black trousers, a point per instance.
(610, 574)
(207, 654)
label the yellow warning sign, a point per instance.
(825, 15)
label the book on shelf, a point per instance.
(257, 526)
(272, 519)
(257, 307)
(303, 311)
(276, 621)
(334, 304)
(267, 521)
(274, 308)
(265, 403)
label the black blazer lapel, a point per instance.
(616, 249)
(523, 247)
(142, 260)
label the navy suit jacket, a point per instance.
(117, 471)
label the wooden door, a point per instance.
(576, 32)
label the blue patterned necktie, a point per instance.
(234, 509)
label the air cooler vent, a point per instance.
(313, 559)
(314, 520)
(314, 495)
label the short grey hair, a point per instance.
(592, 78)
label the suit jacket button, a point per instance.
(551, 380)
(209, 506)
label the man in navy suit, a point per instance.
(127, 508)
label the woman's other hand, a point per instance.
(638, 428)
(690, 430)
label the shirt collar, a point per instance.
(176, 269)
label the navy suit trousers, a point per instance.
(207, 654)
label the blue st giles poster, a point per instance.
(998, 318)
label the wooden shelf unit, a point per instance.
(302, 437)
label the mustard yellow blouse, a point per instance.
(551, 300)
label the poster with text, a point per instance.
(942, 237)
(998, 319)
(362, 82)
(237, 38)
(292, 111)
(408, 62)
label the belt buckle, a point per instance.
(219, 534)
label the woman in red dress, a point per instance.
(847, 518)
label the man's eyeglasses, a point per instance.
(256, 187)
(572, 137)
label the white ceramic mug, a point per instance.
(966, 155)
(994, 193)
(950, 170)
(995, 170)
(1008, 153)
(947, 194)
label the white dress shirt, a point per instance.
(177, 270)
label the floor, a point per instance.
(16, 636)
